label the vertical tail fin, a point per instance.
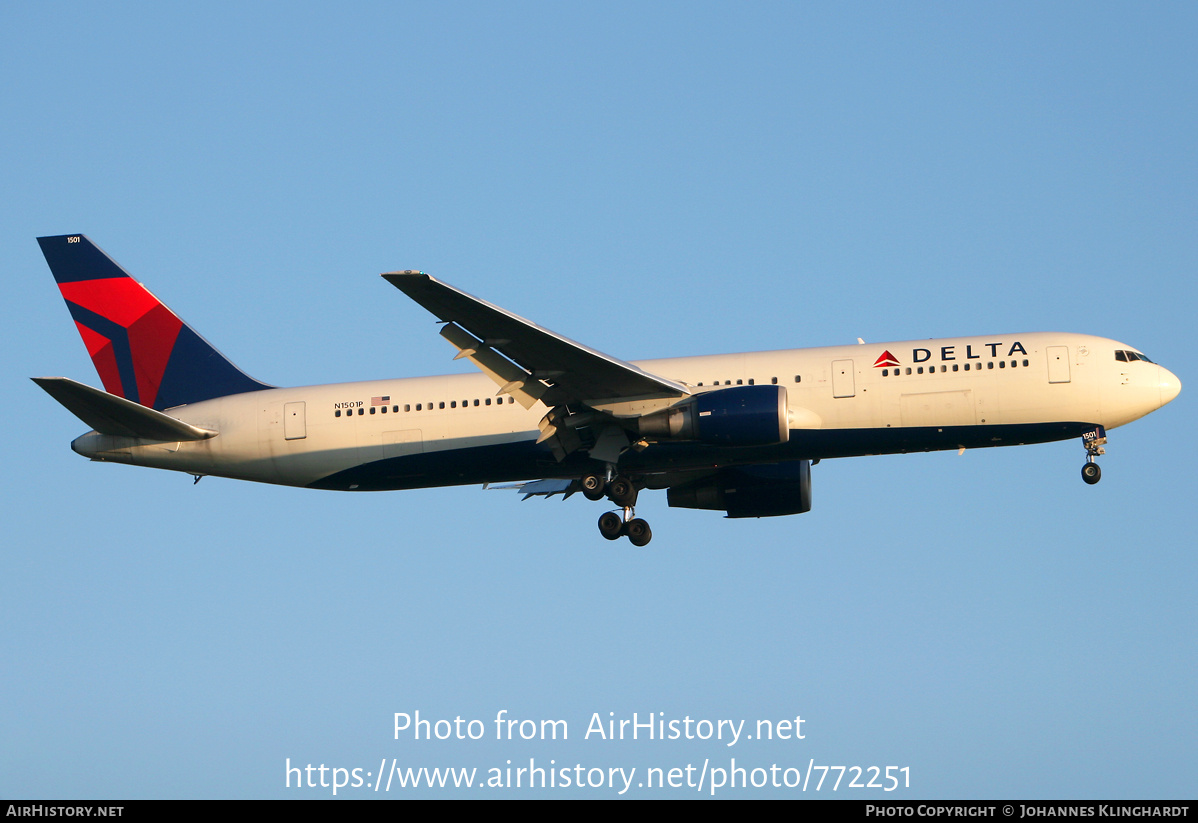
(141, 349)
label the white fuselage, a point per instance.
(841, 400)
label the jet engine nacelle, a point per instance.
(735, 416)
(765, 490)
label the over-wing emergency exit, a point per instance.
(736, 433)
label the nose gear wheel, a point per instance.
(1093, 440)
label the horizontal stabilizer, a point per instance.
(109, 414)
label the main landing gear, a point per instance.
(613, 527)
(622, 492)
(1093, 440)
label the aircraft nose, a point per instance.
(1170, 386)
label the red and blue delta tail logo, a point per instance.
(885, 359)
(142, 351)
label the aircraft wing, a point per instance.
(526, 360)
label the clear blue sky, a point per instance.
(653, 180)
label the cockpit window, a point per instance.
(1130, 356)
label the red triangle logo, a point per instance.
(886, 359)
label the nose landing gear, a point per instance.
(1093, 440)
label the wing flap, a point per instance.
(538, 488)
(510, 378)
(109, 414)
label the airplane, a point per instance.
(736, 433)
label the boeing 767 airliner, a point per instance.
(736, 433)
